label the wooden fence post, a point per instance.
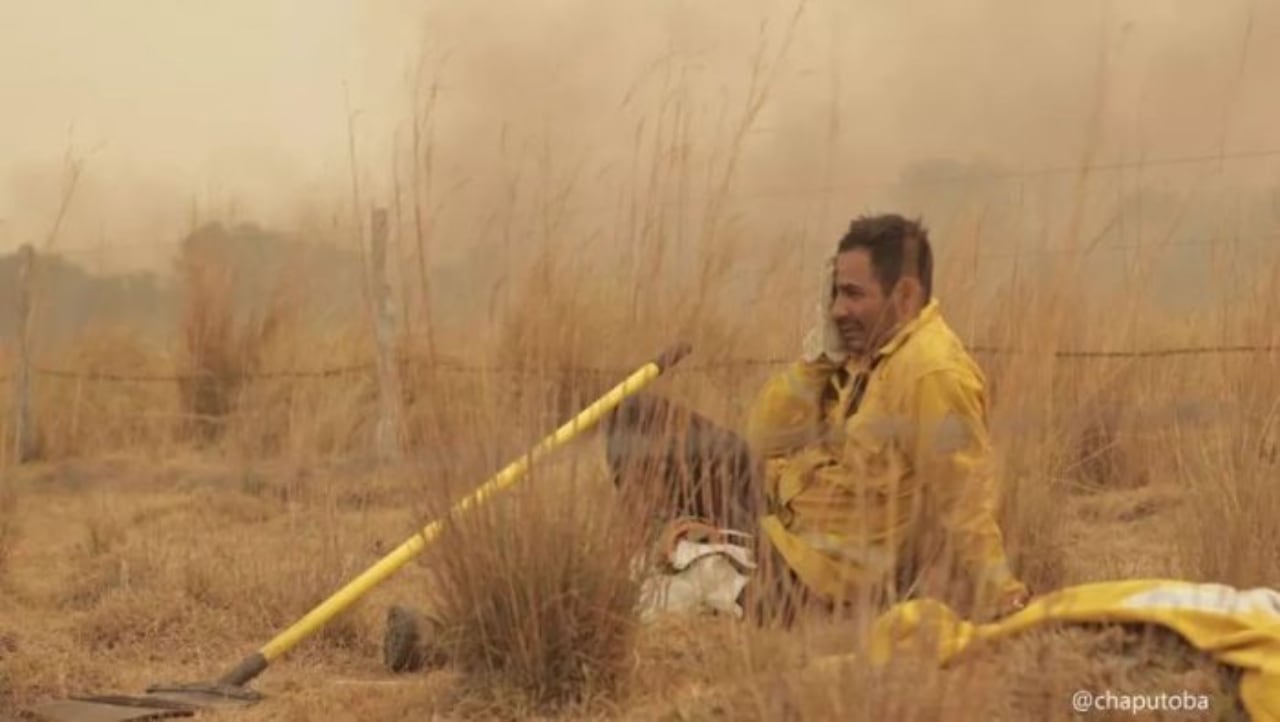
(24, 437)
(387, 432)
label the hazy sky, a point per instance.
(176, 105)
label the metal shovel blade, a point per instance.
(160, 702)
(108, 709)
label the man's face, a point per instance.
(861, 309)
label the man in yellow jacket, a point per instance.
(877, 463)
(872, 453)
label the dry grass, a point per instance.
(136, 557)
(97, 414)
(172, 527)
(538, 593)
(539, 581)
(221, 346)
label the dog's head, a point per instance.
(675, 463)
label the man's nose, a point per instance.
(839, 308)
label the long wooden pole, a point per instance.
(387, 433)
(23, 428)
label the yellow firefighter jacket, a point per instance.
(855, 486)
(1238, 628)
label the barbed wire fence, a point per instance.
(733, 376)
(424, 362)
(21, 380)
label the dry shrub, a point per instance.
(223, 333)
(536, 588)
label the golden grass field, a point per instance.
(131, 554)
(192, 495)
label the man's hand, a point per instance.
(1014, 601)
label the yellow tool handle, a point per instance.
(253, 665)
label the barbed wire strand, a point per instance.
(551, 370)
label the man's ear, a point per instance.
(908, 295)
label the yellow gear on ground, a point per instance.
(1238, 628)
(854, 496)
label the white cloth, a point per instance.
(823, 340)
(698, 579)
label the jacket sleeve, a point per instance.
(954, 462)
(787, 413)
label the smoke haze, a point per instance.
(238, 110)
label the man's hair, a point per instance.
(896, 245)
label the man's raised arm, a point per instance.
(787, 413)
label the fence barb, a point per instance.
(708, 366)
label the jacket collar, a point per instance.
(930, 313)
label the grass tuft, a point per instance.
(537, 592)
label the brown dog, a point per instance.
(670, 462)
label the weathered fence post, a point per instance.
(23, 429)
(387, 432)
